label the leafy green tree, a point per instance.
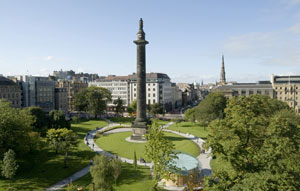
(40, 120)
(15, 127)
(93, 100)
(211, 108)
(57, 120)
(9, 164)
(189, 115)
(132, 107)
(156, 108)
(116, 165)
(119, 105)
(80, 102)
(61, 140)
(259, 140)
(102, 173)
(160, 151)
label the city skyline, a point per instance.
(257, 38)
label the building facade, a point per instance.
(72, 87)
(158, 88)
(10, 91)
(246, 89)
(287, 89)
(61, 99)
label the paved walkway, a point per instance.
(89, 140)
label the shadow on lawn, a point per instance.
(171, 138)
(129, 175)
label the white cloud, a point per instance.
(295, 28)
(48, 58)
(276, 48)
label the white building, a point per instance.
(158, 88)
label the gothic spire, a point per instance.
(222, 76)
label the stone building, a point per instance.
(10, 91)
(246, 89)
(72, 88)
(287, 89)
(61, 99)
(176, 96)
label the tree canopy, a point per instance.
(92, 99)
(259, 139)
(211, 108)
(132, 107)
(15, 129)
(40, 120)
(156, 108)
(119, 104)
(161, 152)
(57, 120)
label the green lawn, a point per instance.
(130, 180)
(42, 169)
(192, 128)
(116, 144)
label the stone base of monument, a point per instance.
(139, 130)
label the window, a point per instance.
(154, 101)
(134, 89)
(149, 102)
(134, 84)
(148, 95)
(134, 95)
(250, 92)
(258, 92)
(153, 89)
(148, 84)
(148, 89)
(153, 84)
(153, 95)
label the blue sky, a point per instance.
(186, 37)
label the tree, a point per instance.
(93, 100)
(40, 120)
(116, 165)
(119, 105)
(134, 160)
(259, 140)
(15, 127)
(211, 108)
(160, 151)
(156, 108)
(61, 140)
(9, 167)
(132, 107)
(57, 120)
(189, 115)
(102, 173)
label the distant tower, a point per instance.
(222, 76)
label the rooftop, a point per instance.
(6, 82)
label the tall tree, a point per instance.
(93, 100)
(156, 108)
(189, 115)
(211, 108)
(259, 140)
(9, 167)
(57, 120)
(119, 105)
(61, 140)
(102, 173)
(40, 120)
(15, 127)
(116, 165)
(132, 107)
(160, 151)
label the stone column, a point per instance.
(140, 124)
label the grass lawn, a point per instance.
(42, 169)
(116, 144)
(192, 128)
(130, 180)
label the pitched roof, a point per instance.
(6, 82)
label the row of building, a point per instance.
(284, 88)
(58, 91)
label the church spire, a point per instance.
(222, 76)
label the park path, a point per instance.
(89, 141)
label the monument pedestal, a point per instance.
(139, 130)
